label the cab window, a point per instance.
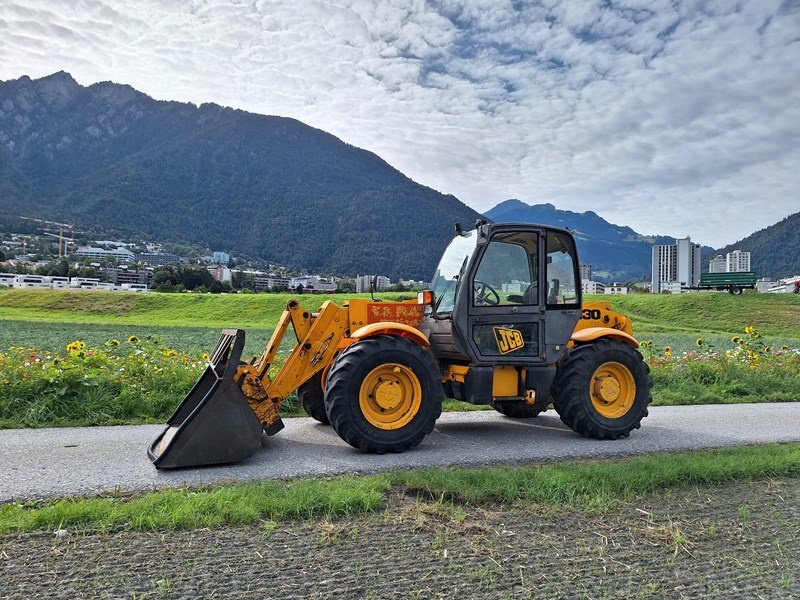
(561, 270)
(507, 274)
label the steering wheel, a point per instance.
(481, 295)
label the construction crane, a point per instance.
(63, 247)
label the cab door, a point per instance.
(504, 301)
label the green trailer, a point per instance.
(733, 283)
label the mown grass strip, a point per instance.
(598, 485)
(155, 309)
(776, 315)
(233, 504)
(591, 486)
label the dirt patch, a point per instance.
(736, 540)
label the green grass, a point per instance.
(54, 337)
(590, 486)
(775, 315)
(260, 311)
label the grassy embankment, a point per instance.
(49, 320)
(593, 486)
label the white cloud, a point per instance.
(673, 118)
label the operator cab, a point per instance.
(505, 293)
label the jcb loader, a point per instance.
(503, 325)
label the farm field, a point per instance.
(695, 344)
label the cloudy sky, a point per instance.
(672, 117)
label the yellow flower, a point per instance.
(667, 351)
(206, 357)
(748, 330)
(76, 347)
(133, 339)
(6, 382)
(736, 339)
(784, 347)
(115, 342)
(699, 341)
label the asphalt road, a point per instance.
(41, 463)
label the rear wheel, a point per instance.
(383, 394)
(312, 398)
(602, 389)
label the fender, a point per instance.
(391, 328)
(592, 333)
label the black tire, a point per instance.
(518, 409)
(571, 389)
(344, 383)
(312, 398)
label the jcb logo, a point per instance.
(508, 340)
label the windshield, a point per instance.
(451, 266)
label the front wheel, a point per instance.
(384, 394)
(312, 398)
(602, 389)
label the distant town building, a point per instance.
(675, 266)
(217, 258)
(765, 284)
(616, 289)
(593, 287)
(120, 275)
(120, 254)
(718, 264)
(113, 243)
(787, 285)
(72, 283)
(737, 261)
(220, 273)
(312, 284)
(363, 283)
(412, 283)
(159, 259)
(264, 281)
(586, 271)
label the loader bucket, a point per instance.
(214, 424)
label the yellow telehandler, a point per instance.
(503, 325)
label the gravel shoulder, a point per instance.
(736, 540)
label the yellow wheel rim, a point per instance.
(612, 389)
(390, 396)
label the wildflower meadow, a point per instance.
(142, 380)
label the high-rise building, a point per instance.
(678, 263)
(363, 283)
(737, 261)
(586, 271)
(718, 264)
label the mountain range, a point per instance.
(112, 159)
(616, 253)
(619, 253)
(774, 250)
